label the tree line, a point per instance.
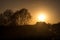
(20, 17)
(23, 17)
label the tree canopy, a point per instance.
(23, 16)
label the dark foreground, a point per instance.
(28, 32)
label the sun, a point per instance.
(41, 18)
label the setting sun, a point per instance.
(41, 17)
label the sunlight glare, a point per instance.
(41, 17)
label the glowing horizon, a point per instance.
(41, 17)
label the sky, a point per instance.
(51, 8)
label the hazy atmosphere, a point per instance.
(30, 19)
(51, 8)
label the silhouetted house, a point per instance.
(42, 28)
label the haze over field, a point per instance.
(25, 19)
(51, 8)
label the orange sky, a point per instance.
(50, 7)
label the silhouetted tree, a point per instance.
(6, 17)
(22, 17)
